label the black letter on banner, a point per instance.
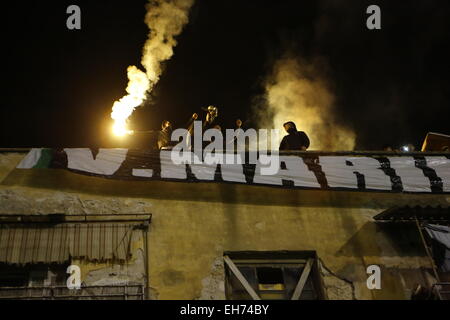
(203, 176)
(190, 176)
(249, 172)
(99, 162)
(284, 182)
(312, 162)
(359, 177)
(396, 181)
(435, 182)
(59, 159)
(138, 162)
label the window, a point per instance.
(12, 276)
(36, 250)
(272, 275)
(32, 275)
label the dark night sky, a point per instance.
(391, 85)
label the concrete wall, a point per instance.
(194, 223)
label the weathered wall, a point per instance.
(8, 161)
(191, 236)
(187, 238)
(131, 272)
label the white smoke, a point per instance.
(165, 20)
(296, 92)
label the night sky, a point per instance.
(391, 85)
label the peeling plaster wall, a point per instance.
(34, 201)
(131, 272)
(114, 274)
(8, 161)
(213, 286)
(336, 288)
(186, 239)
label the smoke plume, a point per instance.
(165, 20)
(296, 91)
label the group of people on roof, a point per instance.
(294, 140)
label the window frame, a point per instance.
(307, 260)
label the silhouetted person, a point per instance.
(164, 135)
(295, 140)
(190, 124)
(209, 123)
(211, 115)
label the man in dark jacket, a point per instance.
(164, 135)
(295, 140)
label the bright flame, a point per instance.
(138, 85)
(120, 129)
(165, 20)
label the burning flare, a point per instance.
(138, 85)
(165, 19)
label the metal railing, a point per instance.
(107, 292)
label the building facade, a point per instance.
(156, 239)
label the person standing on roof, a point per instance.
(164, 135)
(295, 140)
(211, 115)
